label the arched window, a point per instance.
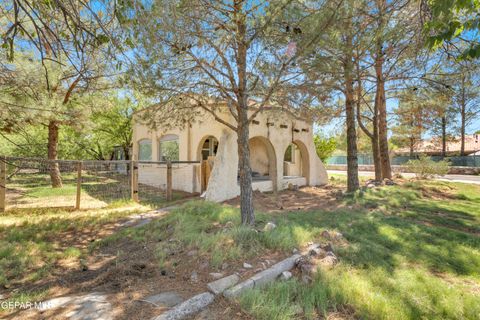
(145, 150)
(168, 148)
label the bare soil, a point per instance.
(128, 271)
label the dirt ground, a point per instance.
(305, 199)
(128, 270)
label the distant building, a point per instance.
(433, 147)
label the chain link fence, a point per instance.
(367, 159)
(37, 183)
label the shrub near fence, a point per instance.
(26, 183)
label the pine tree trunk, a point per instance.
(412, 147)
(463, 120)
(380, 100)
(245, 171)
(444, 136)
(352, 157)
(375, 147)
(52, 154)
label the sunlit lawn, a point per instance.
(413, 251)
(415, 254)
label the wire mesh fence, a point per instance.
(36, 183)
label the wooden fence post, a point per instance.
(3, 184)
(79, 184)
(169, 180)
(134, 179)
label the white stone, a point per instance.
(188, 307)
(223, 284)
(269, 226)
(238, 289)
(285, 275)
(216, 275)
(194, 276)
(247, 265)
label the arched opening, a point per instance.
(296, 162)
(263, 161)
(145, 150)
(168, 148)
(207, 149)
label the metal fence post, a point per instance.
(134, 180)
(169, 180)
(79, 184)
(3, 184)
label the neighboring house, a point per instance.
(282, 153)
(433, 146)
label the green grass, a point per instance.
(416, 256)
(48, 191)
(32, 241)
(203, 226)
(413, 252)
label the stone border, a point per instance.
(262, 278)
(188, 307)
(202, 300)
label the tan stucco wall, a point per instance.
(266, 139)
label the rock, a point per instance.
(229, 224)
(238, 289)
(264, 266)
(247, 265)
(90, 306)
(269, 226)
(188, 307)
(224, 266)
(295, 250)
(192, 253)
(216, 275)
(317, 252)
(389, 182)
(329, 261)
(165, 299)
(223, 284)
(274, 271)
(285, 275)
(308, 269)
(194, 276)
(264, 277)
(328, 247)
(337, 235)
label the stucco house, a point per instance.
(281, 147)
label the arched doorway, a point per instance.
(263, 160)
(207, 149)
(296, 162)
